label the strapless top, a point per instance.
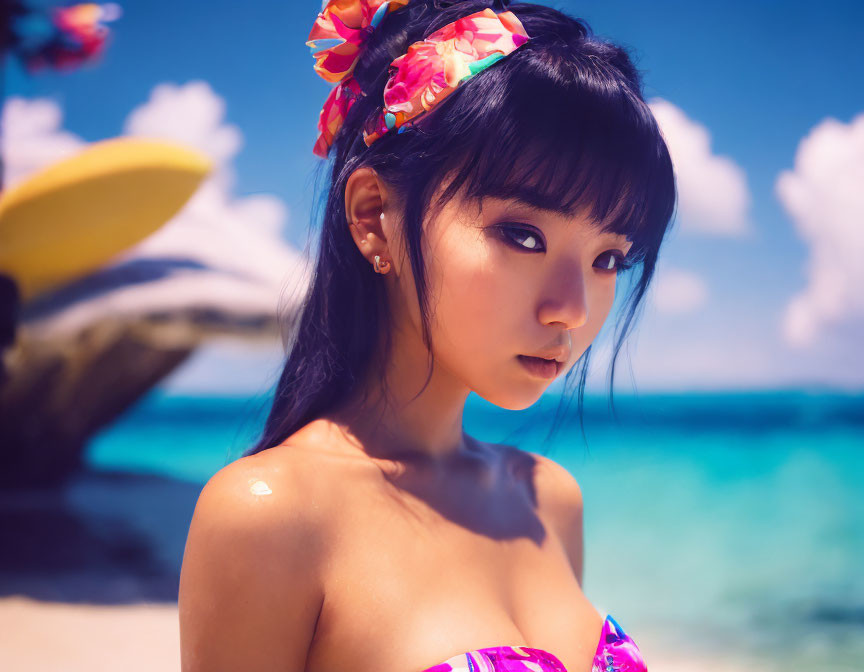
(616, 652)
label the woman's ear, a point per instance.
(366, 199)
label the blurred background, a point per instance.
(157, 185)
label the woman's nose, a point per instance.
(566, 300)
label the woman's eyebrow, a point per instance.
(529, 198)
(532, 199)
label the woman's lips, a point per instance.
(542, 368)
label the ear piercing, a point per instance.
(381, 264)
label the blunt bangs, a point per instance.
(559, 137)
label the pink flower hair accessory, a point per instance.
(336, 40)
(433, 68)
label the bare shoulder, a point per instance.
(559, 497)
(254, 495)
(565, 494)
(558, 492)
(250, 584)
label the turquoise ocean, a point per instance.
(721, 527)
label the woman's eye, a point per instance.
(615, 263)
(612, 261)
(524, 239)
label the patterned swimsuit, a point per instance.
(616, 652)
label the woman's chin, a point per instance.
(513, 396)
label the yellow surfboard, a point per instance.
(78, 213)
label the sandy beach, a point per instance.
(58, 637)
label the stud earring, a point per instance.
(379, 264)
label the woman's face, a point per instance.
(507, 280)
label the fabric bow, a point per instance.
(433, 68)
(336, 40)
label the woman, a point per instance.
(494, 170)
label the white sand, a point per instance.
(57, 637)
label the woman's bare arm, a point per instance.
(250, 588)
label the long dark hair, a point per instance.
(560, 122)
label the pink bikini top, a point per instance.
(616, 652)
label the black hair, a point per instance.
(561, 121)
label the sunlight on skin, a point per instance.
(257, 487)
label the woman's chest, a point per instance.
(406, 589)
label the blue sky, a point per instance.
(750, 80)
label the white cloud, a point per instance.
(824, 197)
(713, 196)
(192, 114)
(675, 290)
(32, 137)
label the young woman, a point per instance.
(494, 170)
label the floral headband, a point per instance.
(421, 78)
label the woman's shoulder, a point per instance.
(557, 489)
(251, 584)
(271, 488)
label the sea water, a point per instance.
(725, 527)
